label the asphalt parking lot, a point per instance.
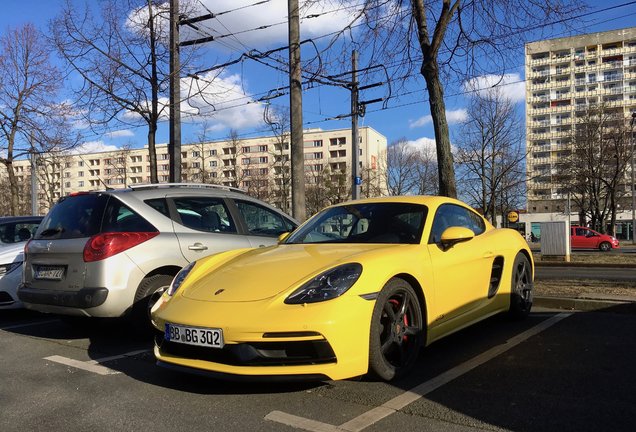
(555, 371)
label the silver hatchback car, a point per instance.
(112, 253)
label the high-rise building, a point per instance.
(565, 78)
(261, 166)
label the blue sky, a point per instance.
(407, 116)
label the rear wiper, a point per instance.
(51, 231)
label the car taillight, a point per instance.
(26, 246)
(102, 246)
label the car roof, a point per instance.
(161, 189)
(432, 201)
(10, 219)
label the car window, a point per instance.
(263, 221)
(118, 217)
(451, 215)
(16, 232)
(581, 231)
(204, 214)
(74, 216)
(398, 223)
(159, 204)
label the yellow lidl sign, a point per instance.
(513, 216)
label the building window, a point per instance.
(212, 152)
(80, 163)
(196, 154)
(80, 184)
(213, 164)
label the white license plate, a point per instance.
(49, 272)
(199, 336)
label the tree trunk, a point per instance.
(152, 152)
(446, 171)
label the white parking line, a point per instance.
(94, 365)
(95, 368)
(29, 324)
(376, 414)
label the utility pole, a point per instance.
(296, 114)
(631, 123)
(174, 145)
(34, 178)
(355, 145)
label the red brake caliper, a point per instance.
(405, 319)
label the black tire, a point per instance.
(522, 287)
(397, 331)
(605, 247)
(149, 291)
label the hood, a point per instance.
(265, 272)
(12, 253)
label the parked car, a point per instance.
(17, 229)
(111, 253)
(358, 288)
(585, 238)
(14, 233)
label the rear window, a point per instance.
(74, 217)
(82, 216)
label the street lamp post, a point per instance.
(631, 123)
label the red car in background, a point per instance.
(585, 238)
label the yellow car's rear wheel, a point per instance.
(396, 331)
(521, 287)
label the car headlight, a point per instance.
(179, 278)
(327, 285)
(8, 268)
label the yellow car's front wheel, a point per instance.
(397, 331)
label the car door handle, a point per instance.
(488, 254)
(197, 247)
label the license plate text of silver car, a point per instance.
(207, 337)
(49, 272)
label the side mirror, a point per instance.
(453, 235)
(282, 237)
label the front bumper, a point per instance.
(267, 338)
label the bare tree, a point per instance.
(277, 123)
(400, 168)
(117, 167)
(31, 121)
(491, 151)
(445, 40)
(595, 173)
(122, 55)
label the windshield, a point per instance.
(397, 223)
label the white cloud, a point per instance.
(453, 116)
(273, 14)
(93, 147)
(424, 144)
(511, 86)
(120, 133)
(220, 100)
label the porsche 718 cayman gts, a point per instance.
(359, 288)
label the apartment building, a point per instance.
(258, 165)
(565, 77)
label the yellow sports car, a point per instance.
(358, 288)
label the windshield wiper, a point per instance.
(51, 231)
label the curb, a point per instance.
(580, 264)
(623, 305)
